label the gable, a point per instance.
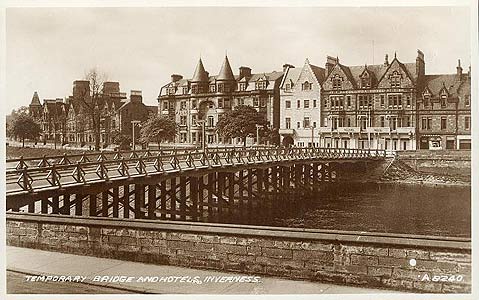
(338, 73)
(306, 76)
(396, 72)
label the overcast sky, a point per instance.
(48, 48)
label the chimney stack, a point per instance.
(176, 77)
(386, 61)
(286, 66)
(330, 63)
(244, 72)
(135, 96)
(459, 68)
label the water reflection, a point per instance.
(442, 211)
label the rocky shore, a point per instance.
(401, 173)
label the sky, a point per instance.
(48, 48)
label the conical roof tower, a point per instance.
(35, 100)
(200, 74)
(226, 73)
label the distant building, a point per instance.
(300, 105)
(444, 110)
(206, 98)
(69, 121)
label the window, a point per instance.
(365, 101)
(443, 123)
(424, 123)
(336, 102)
(298, 104)
(443, 100)
(393, 123)
(408, 101)
(240, 101)
(212, 88)
(262, 102)
(429, 123)
(364, 123)
(426, 100)
(382, 100)
(288, 86)
(348, 122)
(306, 122)
(365, 83)
(261, 85)
(194, 104)
(306, 86)
(227, 103)
(288, 123)
(314, 124)
(298, 125)
(467, 100)
(288, 104)
(394, 101)
(182, 120)
(382, 121)
(306, 103)
(193, 120)
(194, 89)
(185, 90)
(314, 103)
(408, 121)
(211, 121)
(220, 103)
(337, 81)
(183, 105)
(255, 102)
(165, 105)
(395, 79)
(348, 100)
(467, 123)
(242, 86)
(220, 87)
(193, 137)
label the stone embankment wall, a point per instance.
(443, 162)
(372, 260)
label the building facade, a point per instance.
(371, 106)
(204, 98)
(69, 121)
(444, 111)
(300, 105)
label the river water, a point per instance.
(406, 209)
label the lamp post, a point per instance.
(203, 142)
(257, 134)
(133, 123)
(312, 135)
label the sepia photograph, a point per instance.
(305, 149)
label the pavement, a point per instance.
(24, 263)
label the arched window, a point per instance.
(306, 86)
(395, 79)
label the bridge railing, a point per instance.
(78, 170)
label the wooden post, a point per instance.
(78, 204)
(163, 199)
(126, 201)
(139, 200)
(201, 196)
(66, 205)
(250, 195)
(240, 194)
(173, 198)
(211, 184)
(220, 191)
(31, 206)
(194, 197)
(93, 205)
(44, 208)
(183, 198)
(115, 202)
(104, 204)
(55, 205)
(231, 195)
(151, 201)
(259, 192)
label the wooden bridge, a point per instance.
(175, 184)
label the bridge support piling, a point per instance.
(126, 201)
(173, 198)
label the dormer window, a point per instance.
(185, 90)
(220, 87)
(212, 88)
(443, 99)
(242, 86)
(287, 86)
(395, 80)
(337, 82)
(365, 82)
(261, 84)
(306, 86)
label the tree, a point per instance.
(123, 141)
(157, 129)
(24, 127)
(92, 101)
(240, 122)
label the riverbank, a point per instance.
(15, 152)
(401, 173)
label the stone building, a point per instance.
(444, 111)
(204, 98)
(370, 106)
(300, 104)
(69, 121)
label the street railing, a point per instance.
(34, 174)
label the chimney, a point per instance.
(469, 72)
(135, 96)
(386, 61)
(330, 63)
(286, 66)
(420, 64)
(459, 68)
(244, 72)
(176, 77)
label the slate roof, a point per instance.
(435, 83)
(225, 72)
(200, 74)
(35, 100)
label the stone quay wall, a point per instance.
(391, 261)
(443, 162)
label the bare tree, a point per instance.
(92, 101)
